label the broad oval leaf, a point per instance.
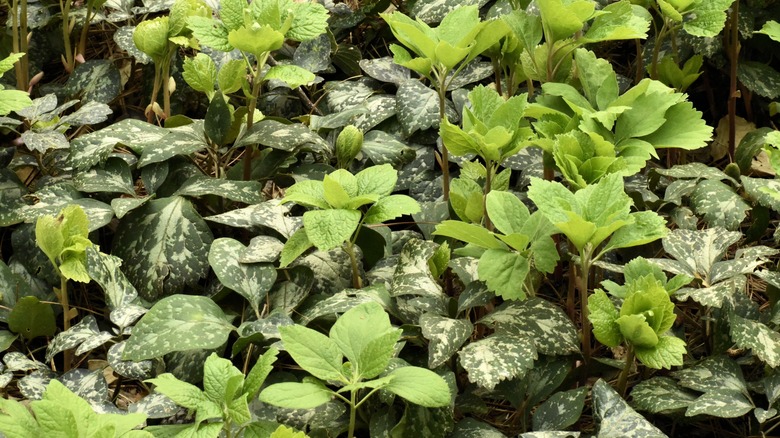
(252, 281)
(498, 357)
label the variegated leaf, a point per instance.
(385, 70)
(114, 177)
(261, 249)
(376, 109)
(52, 199)
(104, 269)
(475, 294)
(765, 191)
(126, 315)
(723, 403)
(164, 246)
(550, 434)
(417, 106)
(332, 270)
(550, 328)
(89, 385)
(433, 11)
(90, 149)
(155, 405)
(762, 340)
(178, 323)
(248, 192)
(446, 335)
(697, 250)
(718, 372)
(381, 147)
(760, 78)
(713, 296)
(498, 357)
(720, 205)
(346, 299)
(182, 140)
(746, 261)
(16, 361)
(252, 281)
(268, 214)
(471, 428)
(286, 137)
(413, 285)
(33, 385)
(141, 370)
(258, 330)
(44, 141)
(474, 72)
(617, 417)
(122, 206)
(345, 95)
(86, 331)
(287, 295)
(660, 395)
(96, 80)
(561, 410)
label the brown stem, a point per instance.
(488, 185)
(623, 379)
(733, 48)
(63, 296)
(640, 62)
(445, 155)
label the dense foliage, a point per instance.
(282, 218)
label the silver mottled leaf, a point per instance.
(155, 406)
(765, 191)
(550, 434)
(342, 301)
(90, 149)
(561, 410)
(471, 428)
(381, 147)
(617, 417)
(89, 385)
(178, 323)
(719, 204)
(713, 373)
(713, 296)
(248, 192)
(52, 199)
(16, 361)
(550, 328)
(123, 37)
(332, 270)
(417, 106)
(346, 95)
(261, 249)
(762, 340)
(104, 270)
(90, 113)
(660, 395)
(252, 281)
(33, 385)
(114, 177)
(122, 206)
(446, 335)
(286, 137)
(182, 140)
(97, 79)
(85, 331)
(498, 357)
(697, 250)
(164, 246)
(126, 315)
(474, 72)
(433, 11)
(385, 70)
(314, 54)
(416, 290)
(696, 170)
(723, 403)
(376, 109)
(141, 370)
(759, 78)
(745, 261)
(268, 214)
(44, 141)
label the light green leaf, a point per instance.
(708, 19)
(178, 323)
(293, 395)
(310, 20)
(221, 380)
(648, 226)
(292, 75)
(261, 369)
(504, 272)
(623, 21)
(379, 180)
(668, 352)
(200, 72)
(563, 19)
(603, 315)
(13, 100)
(469, 233)
(507, 213)
(419, 386)
(231, 76)
(328, 229)
(684, 128)
(359, 327)
(8, 62)
(251, 281)
(17, 421)
(771, 28)
(256, 39)
(151, 37)
(313, 351)
(210, 33)
(182, 393)
(232, 13)
(296, 245)
(391, 207)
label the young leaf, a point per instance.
(507, 213)
(313, 351)
(221, 380)
(391, 207)
(469, 233)
(293, 395)
(378, 180)
(182, 393)
(668, 352)
(31, 318)
(504, 272)
(358, 328)
(296, 245)
(419, 386)
(292, 75)
(259, 372)
(328, 229)
(200, 72)
(603, 315)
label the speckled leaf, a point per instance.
(759, 78)
(413, 278)
(16, 361)
(538, 319)
(717, 372)
(90, 113)
(126, 315)
(33, 385)
(123, 37)
(268, 214)
(433, 11)
(252, 281)
(713, 296)
(164, 246)
(332, 270)
(381, 147)
(314, 54)
(343, 301)
(719, 204)
(345, 95)
(561, 410)
(140, 370)
(617, 417)
(115, 177)
(498, 357)
(445, 335)
(471, 428)
(723, 403)
(417, 106)
(178, 323)
(385, 70)
(247, 192)
(94, 147)
(104, 270)
(660, 395)
(697, 250)
(182, 140)
(52, 199)
(90, 385)
(155, 406)
(376, 109)
(122, 206)
(474, 72)
(44, 141)
(86, 331)
(550, 434)
(763, 341)
(97, 79)
(286, 137)
(261, 249)
(765, 191)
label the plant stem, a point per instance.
(352, 412)
(488, 183)
(63, 296)
(585, 262)
(257, 81)
(623, 379)
(733, 48)
(65, 7)
(445, 155)
(349, 248)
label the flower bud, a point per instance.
(348, 144)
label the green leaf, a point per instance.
(296, 245)
(507, 213)
(563, 19)
(17, 421)
(182, 393)
(151, 37)
(446, 336)
(313, 351)
(218, 119)
(763, 341)
(221, 380)
(660, 395)
(469, 233)
(356, 329)
(648, 226)
(498, 357)
(771, 28)
(708, 19)
(622, 21)
(200, 72)
(232, 13)
(261, 369)
(684, 128)
(603, 315)
(668, 352)
(54, 418)
(209, 33)
(309, 21)
(328, 229)
(252, 281)
(31, 318)
(391, 207)
(292, 75)
(419, 386)
(293, 395)
(256, 39)
(178, 323)
(504, 272)
(232, 75)
(13, 100)
(616, 416)
(722, 402)
(379, 180)
(561, 410)
(150, 241)
(8, 62)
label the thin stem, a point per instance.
(357, 282)
(352, 412)
(445, 155)
(63, 297)
(640, 62)
(623, 379)
(65, 7)
(585, 262)
(155, 91)
(733, 48)
(488, 183)
(257, 81)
